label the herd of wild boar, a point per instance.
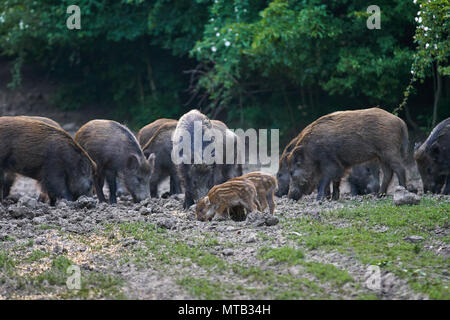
(362, 143)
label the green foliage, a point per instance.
(255, 63)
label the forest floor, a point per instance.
(156, 250)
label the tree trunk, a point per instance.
(437, 93)
(150, 76)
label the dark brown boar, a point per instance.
(10, 177)
(160, 144)
(147, 132)
(47, 154)
(332, 144)
(117, 153)
(433, 159)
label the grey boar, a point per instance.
(197, 177)
(226, 171)
(365, 179)
(335, 142)
(160, 144)
(117, 154)
(47, 154)
(433, 159)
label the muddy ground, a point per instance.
(155, 250)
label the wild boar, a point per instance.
(433, 159)
(226, 196)
(365, 179)
(265, 185)
(10, 177)
(160, 144)
(117, 153)
(196, 176)
(335, 142)
(47, 154)
(147, 132)
(283, 174)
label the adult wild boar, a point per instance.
(117, 154)
(10, 177)
(433, 159)
(47, 154)
(160, 143)
(335, 142)
(196, 175)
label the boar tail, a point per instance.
(405, 142)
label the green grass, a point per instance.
(284, 254)
(202, 288)
(388, 249)
(36, 255)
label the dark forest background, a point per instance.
(252, 63)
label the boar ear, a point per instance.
(207, 202)
(133, 162)
(297, 155)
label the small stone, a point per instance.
(403, 196)
(166, 223)
(20, 212)
(251, 239)
(227, 252)
(145, 211)
(28, 202)
(271, 221)
(413, 239)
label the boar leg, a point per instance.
(111, 180)
(175, 183)
(263, 201)
(2, 182)
(387, 176)
(336, 185)
(8, 181)
(447, 186)
(270, 200)
(327, 192)
(155, 179)
(324, 184)
(400, 171)
(99, 180)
